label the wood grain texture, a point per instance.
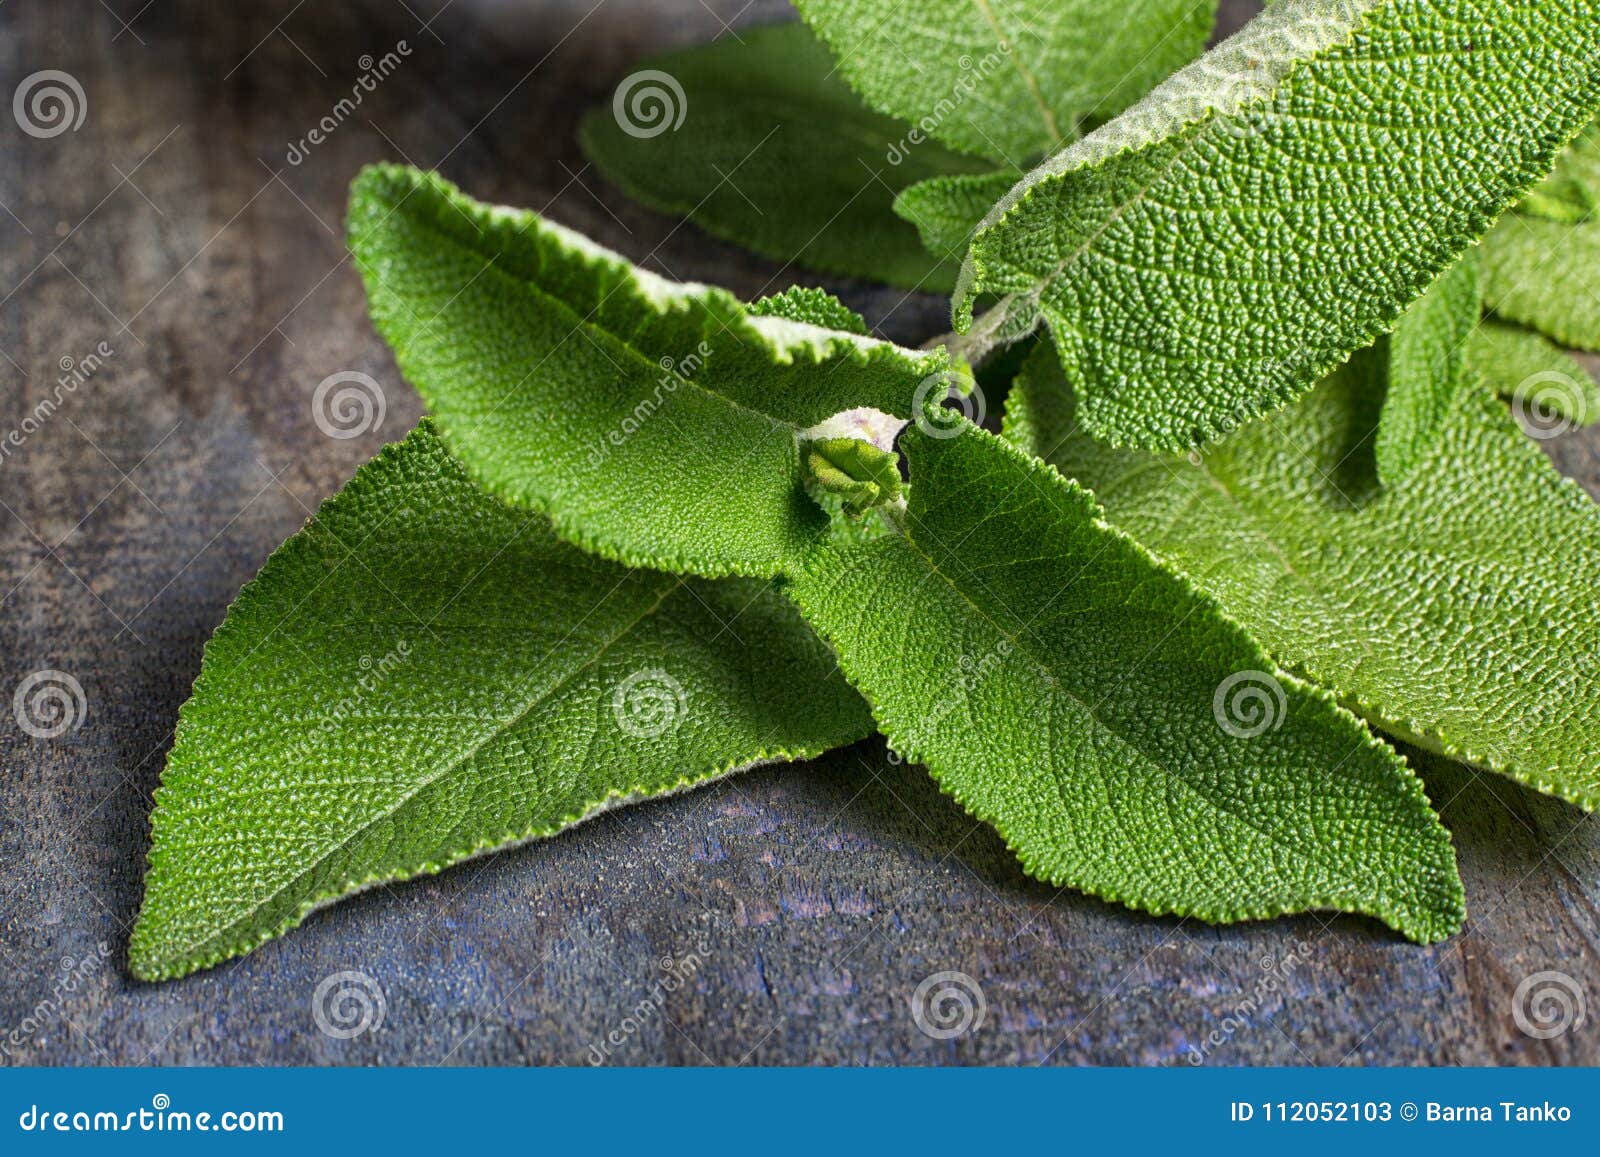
(817, 898)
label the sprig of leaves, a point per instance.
(651, 535)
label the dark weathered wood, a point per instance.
(818, 897)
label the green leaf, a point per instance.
(655, 423)
(773, 152)
(1544, 271)
(1213, 252)
(1009, 81)
(1546, 386)
(1427, 368)
(811, 306)
(1122, 735)
(1455, 610)
(946, 210)
(423, 674)
(856, 472)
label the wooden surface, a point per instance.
(816, 898)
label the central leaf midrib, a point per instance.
(1030, 82)
(1148, 758)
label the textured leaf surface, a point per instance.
(655, 423)
(775, 153)
(1427, 368)
(422, 674)
(1456, 610)
(947, 209)
(1010, 80)
(812, 307)
(1543, 271)
(1071, 692)
(1547, 384)
(1213, 252)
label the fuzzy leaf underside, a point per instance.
(1012, 80)
(654, 422)
(1063, 687)
(423, 674)
(1427, 368)
(1455, 610)
(1545, 272)
(1542, 381)
(775, 153)
(1209, 255)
